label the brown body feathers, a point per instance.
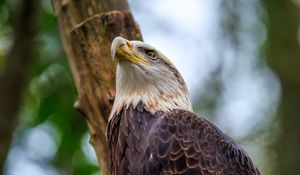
(175, 142)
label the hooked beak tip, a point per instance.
(117, 43)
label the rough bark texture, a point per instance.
(13, 79)
(283, 51)
(87, 29)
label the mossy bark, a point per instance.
(87, 30)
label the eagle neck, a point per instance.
(157, 94)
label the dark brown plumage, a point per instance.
(176, 142)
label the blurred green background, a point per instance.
(241, 62)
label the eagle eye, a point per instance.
(151, 54)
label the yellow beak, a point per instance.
(121, 50)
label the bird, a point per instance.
(152, 129)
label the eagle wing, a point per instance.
(182, 143)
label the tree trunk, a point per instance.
(87, 29)
(13, 80)
(283, 53)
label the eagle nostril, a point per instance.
(128, 44)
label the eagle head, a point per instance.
(145, 75)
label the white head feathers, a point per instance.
(144, 74)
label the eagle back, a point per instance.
(175, 142)
(127, 135)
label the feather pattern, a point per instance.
(174, 142)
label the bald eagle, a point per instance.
(152, 129)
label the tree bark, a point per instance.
(283, 53)
(87, 29)
(13, 80)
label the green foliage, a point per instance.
(49, 99)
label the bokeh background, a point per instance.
(240, 60)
